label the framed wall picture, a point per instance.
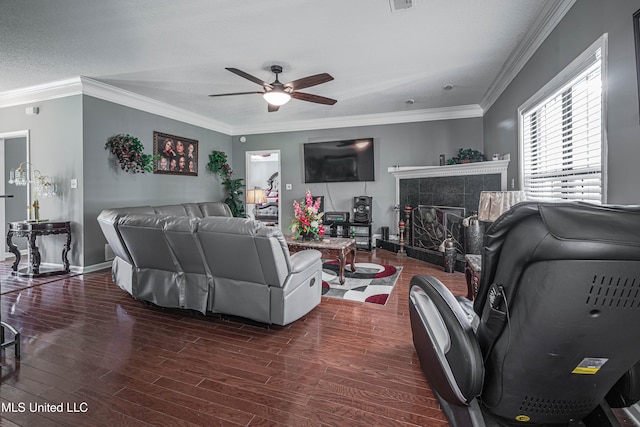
(178, 155)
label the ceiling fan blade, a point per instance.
(313, 98)
(310, 81)
(236, 93)
(249, 77)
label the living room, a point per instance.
(78, 114)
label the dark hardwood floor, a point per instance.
(105, 359)
(111, 360)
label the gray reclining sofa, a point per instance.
(196, 256)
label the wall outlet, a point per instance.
(74, 183)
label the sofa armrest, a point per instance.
(443, 336)
(300, 261)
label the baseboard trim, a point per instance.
(96, 267)
(76, 269)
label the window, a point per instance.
(562, 138)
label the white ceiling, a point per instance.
(176, 52)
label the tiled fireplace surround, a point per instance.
(451, 186)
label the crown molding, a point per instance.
(116, 95)
(42, 92)
(448, 113)
(550, 15)
(87, 86)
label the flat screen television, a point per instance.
(339, 161)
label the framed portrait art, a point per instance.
(176, 155)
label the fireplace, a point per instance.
(431, 225)
(439, 198)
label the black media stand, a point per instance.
(361, 231)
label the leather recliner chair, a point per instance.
(553, 334)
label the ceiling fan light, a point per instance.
(276, 97)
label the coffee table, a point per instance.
(333, 248)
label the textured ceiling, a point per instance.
(176, 52)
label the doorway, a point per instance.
(14, 149)
(263, 175)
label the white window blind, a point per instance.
(562, 140)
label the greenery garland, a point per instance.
(130, 153)
(218, 165)
(467, 156)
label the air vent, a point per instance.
(401, 5)
(540, 406)
(614, 292)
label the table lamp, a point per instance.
(495, 203)
(255, 197)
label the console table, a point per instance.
(31, 230)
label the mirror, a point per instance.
(14, 149)
(263, 186)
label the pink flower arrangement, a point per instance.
(307, 219)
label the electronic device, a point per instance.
(362, 209)
(336, 217)
(339, 161)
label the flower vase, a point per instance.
(307, 236)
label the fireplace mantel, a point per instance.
(477, 168)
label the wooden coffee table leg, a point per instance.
(342, 260)
(353, 259)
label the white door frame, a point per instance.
(248, 155)
(3, 188)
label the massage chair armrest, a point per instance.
(302, 260)
(443, 336)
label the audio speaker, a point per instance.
(362, 209)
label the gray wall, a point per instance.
(409, 144)
(107, 186)
(584, 24)
(56, 150)
(67, 141)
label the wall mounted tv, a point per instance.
(339, 161)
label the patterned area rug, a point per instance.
(370, 283)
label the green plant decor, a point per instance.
(130, 153)
(233, 186)
(466, 155)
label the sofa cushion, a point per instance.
(177, 210)
(244, 249)
(167, 262)
(214, 209)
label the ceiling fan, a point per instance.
(277, 94)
